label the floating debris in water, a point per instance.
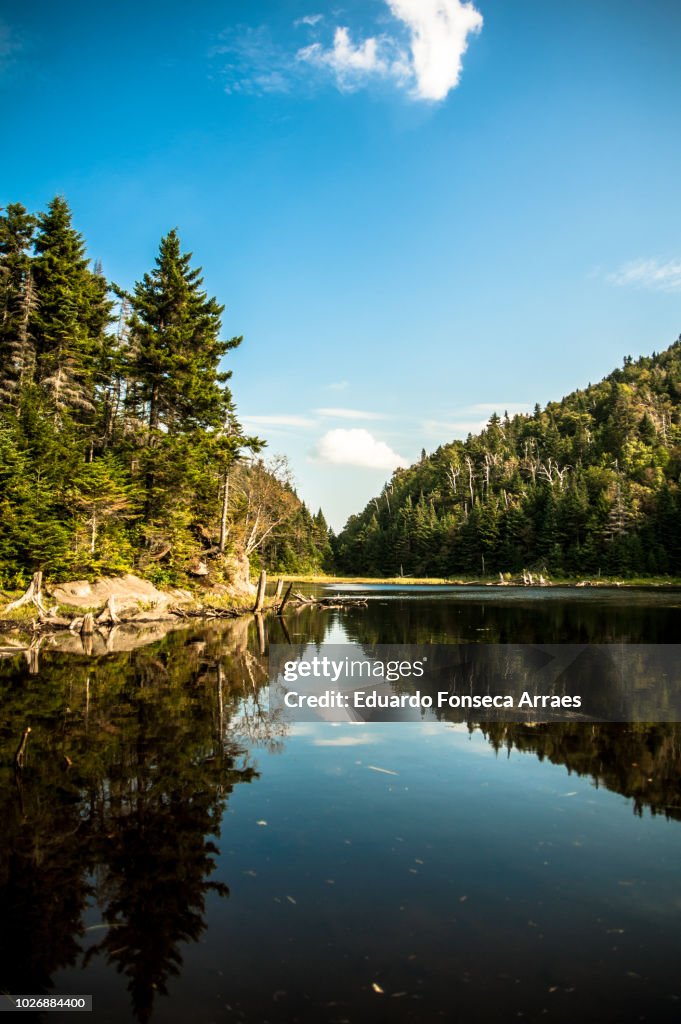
(384, 771)
(261, 822)
(291, 899)
(377, 988)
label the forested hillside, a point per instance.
(589, 484)
(120, 447)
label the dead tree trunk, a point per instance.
(108, 613)
(287, 596)
(33, 595)
(223, 515)
(280, 587)
(260, 596)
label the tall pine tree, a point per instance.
(17, 301)
(71, 317)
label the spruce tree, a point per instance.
(17, 300)
(175, 347)
(71, 316)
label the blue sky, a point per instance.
(416, 211)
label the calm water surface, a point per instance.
(171, 849)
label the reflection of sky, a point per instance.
(417, 857)
(462, 857)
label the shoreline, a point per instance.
(573, 582)
(184, 613)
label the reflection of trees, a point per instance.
(130, 763)
(514, 619)
(40, 856)
(640, 761)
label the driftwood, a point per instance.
(280, 587)
(325, 603)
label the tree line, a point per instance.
(120, 445)
(586, 485)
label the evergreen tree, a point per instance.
(17, 301)
(176, 384)
(70, 319)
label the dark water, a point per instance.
(172, 850)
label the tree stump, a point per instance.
(260, 596)
(88, 626)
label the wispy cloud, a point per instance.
(338, 385)
(445, 429)
(656, 275)
(428, 66)
(309, 19)
(251, 62)
(351, 414)
(420, 52)
(9, 45)
(352, 64)
(278, 420)
(470, 419)
(357, 447)
(499, 407)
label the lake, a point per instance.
(179, 853)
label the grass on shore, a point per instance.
(554, 581)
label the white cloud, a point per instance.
(251, 62)
(308, 19)
(465, 421)
(351, 414)
(653, 274)
(499, 407)
(350, 64)
(439, 38)
(438, 32)
(357, 447)
(283, 420)
(444, 429)
(421, 54)
(338, 385)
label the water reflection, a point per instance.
(128, 769)
(114, 829)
